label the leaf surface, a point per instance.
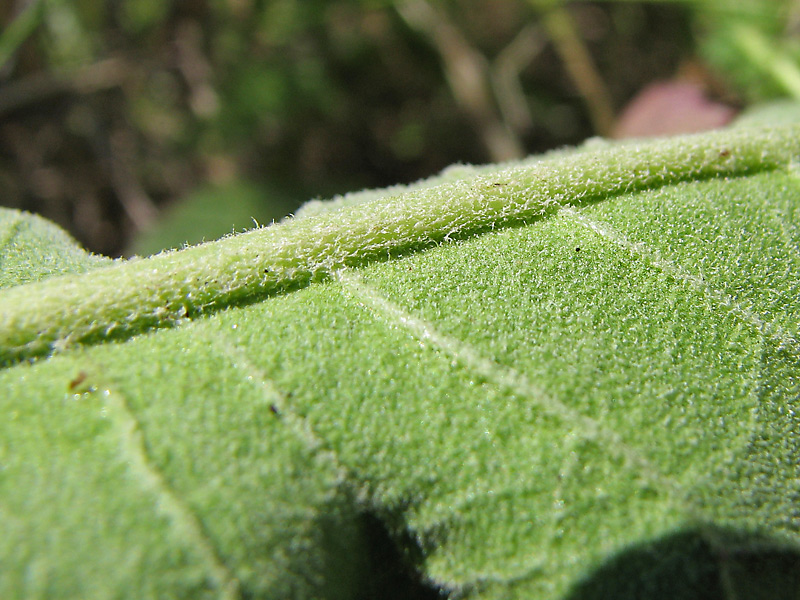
(32, 248)
(571, 377)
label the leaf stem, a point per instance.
(133, 296)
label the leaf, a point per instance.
(572, 377)
(671, 107)
(211, 212)
(32, 249)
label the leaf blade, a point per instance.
(529, 404)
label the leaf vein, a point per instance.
(300, 425)
(767, 329)
(150, 476)
(509, 378)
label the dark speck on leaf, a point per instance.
(81, 384)
(79, 379)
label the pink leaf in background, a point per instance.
(668, 108)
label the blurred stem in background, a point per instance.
(467, 73)
(762, 51)
(20, 28)
(473, 81)
(506, 73)
(561, 29)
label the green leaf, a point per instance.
(211, 212)
(752, 45)
(32, 249)
(572, 377)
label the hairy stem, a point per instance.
(140, 294)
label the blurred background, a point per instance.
(139, 125)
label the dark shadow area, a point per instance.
(347, 552)
(393, 565)
(688, 566)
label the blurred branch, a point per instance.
(134, 199)
(505, 74)
(562, 31)
(764, 54)
(20, 28)
(106, 74)
(196, 69)
(467, 75)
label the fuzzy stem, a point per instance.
(136, 295)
